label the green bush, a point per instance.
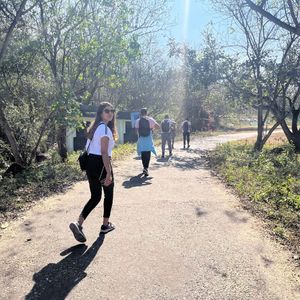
(270, 179)
(38, 181)
(44, 179)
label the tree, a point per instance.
(283, 86)
(64, 53)
(260, 36)
(10, 15)
(288, 13)
(26, 96)
(87, 43)
(202, 76)
(268, 79)
(150, 82)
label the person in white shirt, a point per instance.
(186, 127)
(100, 143)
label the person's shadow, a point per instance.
(55, 281)
(164, 159)
(137, 181)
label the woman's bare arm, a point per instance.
(106, 160)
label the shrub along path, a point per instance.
(268, 181)
(18, 194)
(180, 235)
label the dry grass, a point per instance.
(276, 139)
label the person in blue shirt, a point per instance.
(144, 127)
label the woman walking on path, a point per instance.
(144, 126)
(101, 136)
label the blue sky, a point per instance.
(191, 18)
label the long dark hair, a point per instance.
(111, 124)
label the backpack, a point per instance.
(144, 127)
(185, 126)
(165, 126)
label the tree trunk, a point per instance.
(286, 131)
(295, 113)
(294, 135)
(266, 137)
(40, 135)
(62, 142)
(293, 138)
(260, 114)
(296, 141)
(260, 129)
(11, 137)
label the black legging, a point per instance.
(186, 138)
(94, 168)
(146, 155)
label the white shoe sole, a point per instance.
(107, 230)
(77, 234)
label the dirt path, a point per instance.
(180, 235)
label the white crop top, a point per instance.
(95, 146)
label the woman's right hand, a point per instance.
(108, 180)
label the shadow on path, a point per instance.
(193, 159)
(234, 217)
(189, 163)
(163, 159)
(55, 281)
(200, 212)
(137, 181)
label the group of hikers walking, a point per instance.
(145, 145)
(100, 143)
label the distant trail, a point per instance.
(180, 235)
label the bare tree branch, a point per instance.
(259, 9)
